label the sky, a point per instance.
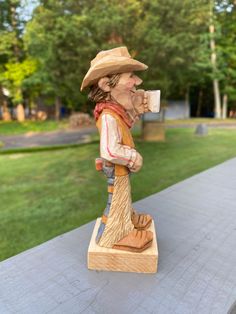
(27, 8)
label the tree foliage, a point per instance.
(226, 17)
(172, 37)
(15, 63)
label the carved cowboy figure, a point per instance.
(112, 85)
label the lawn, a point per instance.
(44, 194)
(14, 127)
(195, 121)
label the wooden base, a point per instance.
(100, 258)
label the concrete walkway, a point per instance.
(47, 138)
(76, 136)
(196, 229)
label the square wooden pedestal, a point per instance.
(100, 258)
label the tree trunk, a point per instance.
(187, 105)
(199, 104)
(20, 113)
(217, 99)
(225, 106)
(30, 105)
(3, 105)
(57, 108)
(1, 101)
(217, 106)
(14, 26)
(6, 116)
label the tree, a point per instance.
(214, 61)
(6, 40)
(15, 65)
(65, 36)
(172, 37)
(226, 17)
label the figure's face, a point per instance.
(128, 81)
(124, 90)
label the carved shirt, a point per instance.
(111, 147)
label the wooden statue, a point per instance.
(113, 85)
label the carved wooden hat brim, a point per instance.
(113, 61)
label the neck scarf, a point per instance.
(118, 109)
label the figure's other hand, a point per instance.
(137, 163)
(139, 99)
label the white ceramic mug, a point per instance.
(154, 100)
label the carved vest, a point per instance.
(126, 138)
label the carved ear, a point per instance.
(103, 83)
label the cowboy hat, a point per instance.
(113, 61)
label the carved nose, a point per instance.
(138, 80)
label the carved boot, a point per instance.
(135, 241)
(141, 221)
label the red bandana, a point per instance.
(118, 109)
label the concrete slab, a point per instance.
(196, 230)
(53, 138)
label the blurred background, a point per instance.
(46, 47)
(48, 183)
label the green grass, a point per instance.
(194, 121)
(14, 127)
(44, 194)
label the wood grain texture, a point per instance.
(119, 222)
(100, 258)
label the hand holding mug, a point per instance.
(145, 101)
(140, 101)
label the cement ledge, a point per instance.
(196, 230)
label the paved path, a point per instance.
(196, 228)
(48, 138)
(74, 137)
